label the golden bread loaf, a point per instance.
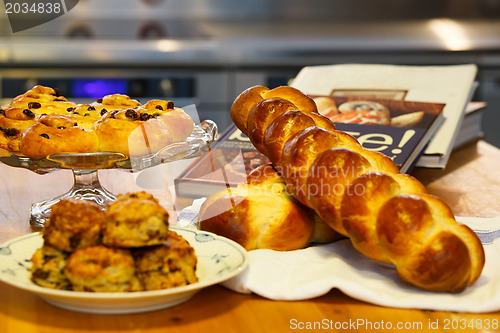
(260, 214)
(388, 216)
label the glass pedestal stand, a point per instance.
(85, 166)
(86, 186)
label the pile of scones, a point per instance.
(126, 247)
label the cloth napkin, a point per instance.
(314, 271)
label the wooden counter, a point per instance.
(470, 185)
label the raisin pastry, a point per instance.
(53, 134)
(126, 132)
(42, 100)
(13, 122)
(178, 123)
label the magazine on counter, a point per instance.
(451, 85)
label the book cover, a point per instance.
(397, 128)
(451, 85)
(224, 166)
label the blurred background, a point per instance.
(205, 52)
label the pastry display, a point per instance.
(261, 214)
(125, 247)
(41, 122)
(360, 194)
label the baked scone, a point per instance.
(135, 222)
(73, 224)
(102, 269)
(47, 269)
(178, 123)
(126, 132)
(169, 265)
(141, 195)
(54, 134)
(13, 122)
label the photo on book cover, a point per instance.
(383, 121)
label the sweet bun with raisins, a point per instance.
(129, 133)
(178, 123)
(13, 122)
(55, 134)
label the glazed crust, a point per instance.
(261, 214)
(387, 216)
(54, 134)
(124, 132)
(179, 124)
(114, 123)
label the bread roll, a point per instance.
(261, 214)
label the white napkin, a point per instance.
(314, 271)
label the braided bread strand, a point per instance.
(388, 216)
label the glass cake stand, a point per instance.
(85, 167)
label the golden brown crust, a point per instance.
(54, 134)
(179, 124)
(261, 214)
(114, 102)
(387, 216)
(13, 122)
(169, 265)
(73, 256)
(124, 132)
(73, 224)
(155, 125)
(135, 223)
(42, 100)
(102, 269)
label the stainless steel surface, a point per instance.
(225, 46)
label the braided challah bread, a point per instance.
(388, 216)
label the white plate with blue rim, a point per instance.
(219, 259)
